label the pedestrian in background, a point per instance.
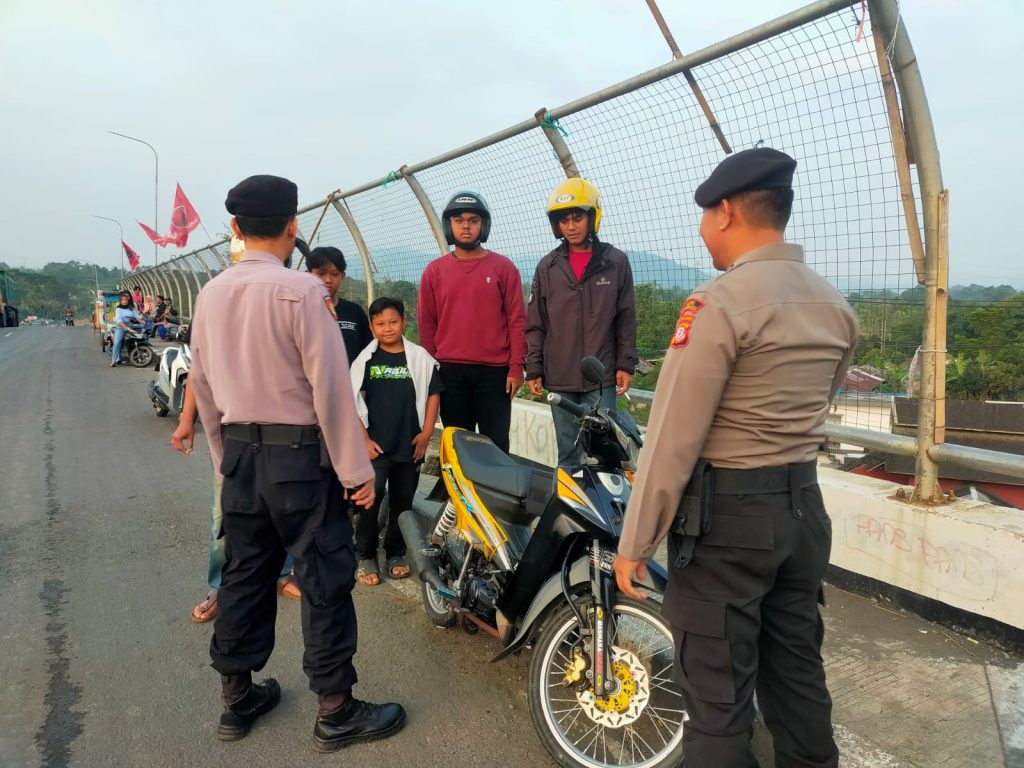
(471, 318)
(728, 471)
(274, 395)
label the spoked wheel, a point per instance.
(140, 356)
(639, 724)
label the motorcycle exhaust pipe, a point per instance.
(415, 526)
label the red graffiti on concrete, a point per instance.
(913, 550)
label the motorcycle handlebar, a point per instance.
(575, 409)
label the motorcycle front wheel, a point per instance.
(641, 724)
(140, 356)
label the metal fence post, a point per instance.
(364, 253)
(202, 265)
(929, 173)
(554, 135)
(220, 259)
(428, 209)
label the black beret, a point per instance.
(261, 197)
(760, 168)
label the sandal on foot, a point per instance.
(368, 572)
(286, 587)
(398, 568)
(206, 610)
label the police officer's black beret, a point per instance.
(260, 197)
(760, 168)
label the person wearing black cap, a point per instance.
(275, 399)
(728, 472)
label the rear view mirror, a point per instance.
(593, 370)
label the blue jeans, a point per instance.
(566, 428)
(115, 352)
(215, 564)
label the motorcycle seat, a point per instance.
(485, 464)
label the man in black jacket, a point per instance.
(581, 303)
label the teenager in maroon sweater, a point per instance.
(471, 319)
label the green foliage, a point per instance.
(46, 292)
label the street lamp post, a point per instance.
(120, 246)
(156, 184)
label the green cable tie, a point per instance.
(552, 123)
(392, 176)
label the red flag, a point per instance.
(160, 240)
(133, 257)
(183, 219)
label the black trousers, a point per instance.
(474, 397)
(744, 616)
(278, 499)
(399, 478)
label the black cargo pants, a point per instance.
(276, 499)
(744, 616)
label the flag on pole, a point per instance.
(183, 220)
(133, 257)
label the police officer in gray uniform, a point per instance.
(728, 471)
(271, 382)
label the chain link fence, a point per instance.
(813, 84)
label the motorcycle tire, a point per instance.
(141, 357)
(438, 610)
(641, 725)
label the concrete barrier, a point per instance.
(967, 554)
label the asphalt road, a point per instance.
(102, 557)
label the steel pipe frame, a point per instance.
(929, 174)
(364, 253)
(678, 66)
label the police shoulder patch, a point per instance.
(330, 307)
(687, 315)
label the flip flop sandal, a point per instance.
(206, 610)
(368, 569)
(287, 587)
(398, 562)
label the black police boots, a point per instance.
(357, 721)
(237, 719)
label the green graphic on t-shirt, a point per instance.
(389, 372)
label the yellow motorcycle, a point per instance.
(525, 554)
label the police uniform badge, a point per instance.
(687, 315)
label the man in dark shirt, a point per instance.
(328, 264)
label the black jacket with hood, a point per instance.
(568, 319)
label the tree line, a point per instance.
(985, 332)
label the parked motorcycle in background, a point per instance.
(167, 390)
(525, 554)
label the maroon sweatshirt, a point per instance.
(471, 311)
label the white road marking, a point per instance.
(9, 333)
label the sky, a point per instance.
(334, 93)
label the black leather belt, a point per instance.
(741, 482)
(293, 435)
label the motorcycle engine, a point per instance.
(481, 597)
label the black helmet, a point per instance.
(466, 201)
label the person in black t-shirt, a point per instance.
(397, 390)
(328, 263)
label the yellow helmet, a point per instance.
(575, 193)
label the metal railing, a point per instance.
(841, 93)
